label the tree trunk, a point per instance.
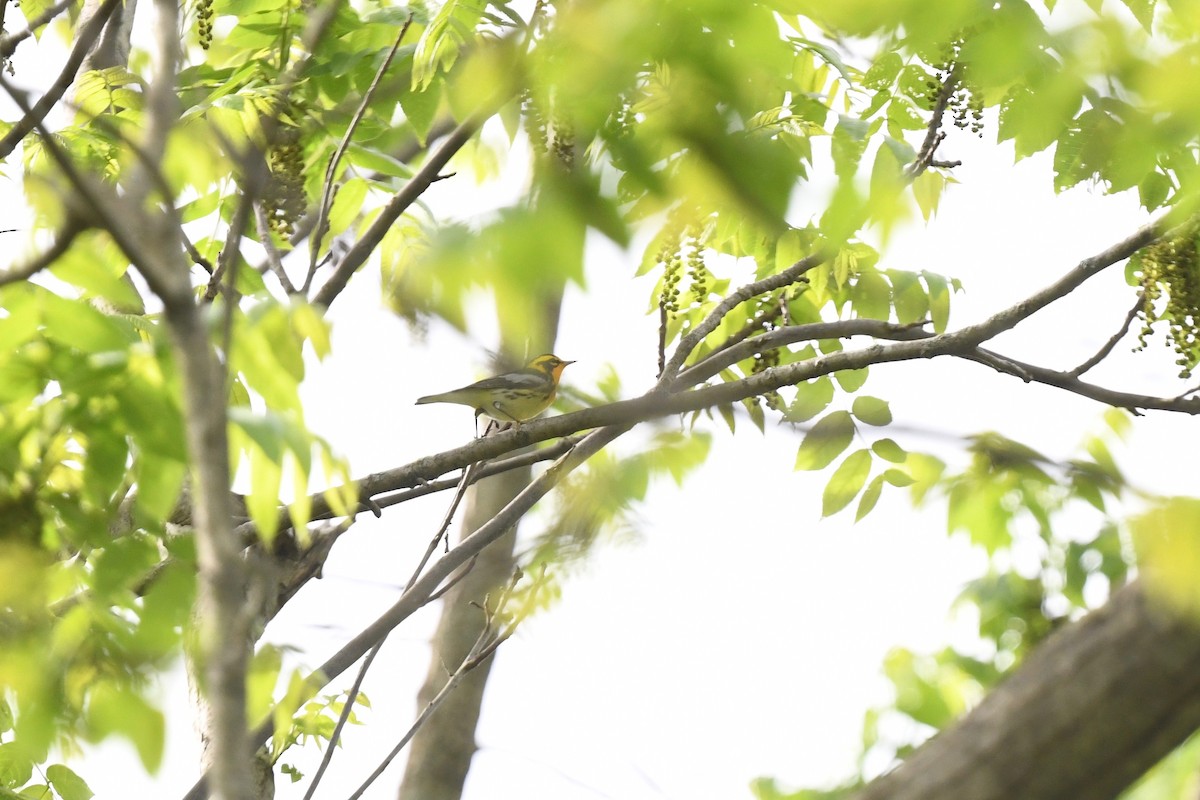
(1089, 712)
(440, 753)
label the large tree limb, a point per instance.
(1094, 707)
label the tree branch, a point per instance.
(32, 116)
(1091, 709)
(933, 132)
(1103, 352)
(749, 291)
(9, 41)
(1069, 382)
(441, 570)
(326, 203)
(57, 249)
(366, 244)
(780, 337)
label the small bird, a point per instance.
(512, 396)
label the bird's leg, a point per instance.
(513, 422)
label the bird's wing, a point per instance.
(525, 379)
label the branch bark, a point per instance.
(1099, 703)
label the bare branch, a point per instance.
(495, 632)
(1068, 381)
(933, 133)
(366, 244)
(232, 251)
(331, 171)
(9, 41)
(780, 337)
(62, 243)
(709, 324)
(87, 35)
(274, 259)
(445, 567)
(1103, 352)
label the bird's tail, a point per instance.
(444, 397)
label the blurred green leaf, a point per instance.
(846, 482)
(825, 441)
(872, 410)
(67, 784)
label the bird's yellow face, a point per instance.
(549, 364)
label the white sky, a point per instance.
(739, 636)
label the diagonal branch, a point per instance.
(366, 244)
(9, 41)
(62, 243)
(751, 290)
(1070, 382)
(441, 570)
(933, 132)
(1103, 352)
(326, 203)
(33, 115)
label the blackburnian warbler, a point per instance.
(513, 396)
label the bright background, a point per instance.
(736, 634)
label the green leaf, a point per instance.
(790, 247)
(1153, 190)
(261, 678)
(927, 190)
(1143, 12)
(15, 765)
(120, 564)
(912, 303)
(898, 477)
(884, 71)
(869, 498)
(825, 441)
(117, 710)
(889, 451)
(79, 325)
(812, 397)
(158, 483)
(939, 300)
(846, 482)
(347, 204)
(1167, 541)
(68, 785)
(872, 295)
(849, 144)
(872, 410)
(851, 380)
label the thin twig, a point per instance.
(366, 244)
(495, 632)
(327, 757)
(331, 171)
(9, 41)
(59, 247)
(85, 37)
(750, 290)
(724, 357)
(274, 261)
(444, 568)
(1103, 352)
(662, 337)
(933, 134)
(231, 252)
(468, 477)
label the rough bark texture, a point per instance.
(1093, 708)
(440, 753)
